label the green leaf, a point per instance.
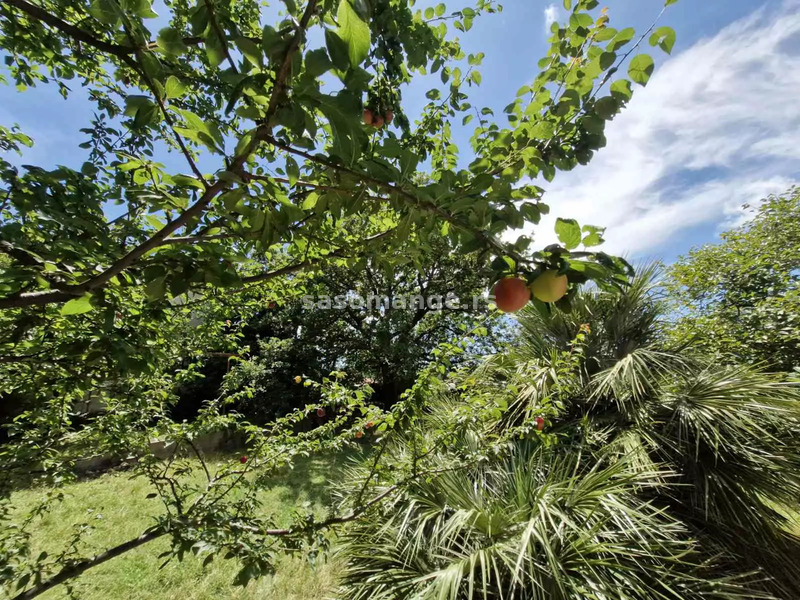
(134, 102)
(311, 201)
(607, 60)
(641, 68)
(170, 41)
(318, 62)
(592, 124)
(622, 38)
(156, 288)
(580, 20)
(605, 34)
(250, 50)
(187, 181)
(664, 38)
(568, 232)
(154, 222)
(214, 49)
(606, 108)
(621, 90)
(243, 143)
(152, 66)
(173, 88)
(342, 112)
(105, 11)
(668, 2)
(337, 50)
(354, 32)
(593, 239)
(530, 212)
(292, 170)
(594, 235)
(271, 41)
(589, 269)
(141, 8)
(78, 306)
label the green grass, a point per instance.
(117, 508)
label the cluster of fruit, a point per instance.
(512, 293)
(374, 118)
(369, 425)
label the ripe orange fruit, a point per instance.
(539, 423)
(359, 434)
(243, 459)
(368, 117)
(388, 117)
(377, 122)
(511, 294)
(549, 286)
(320, 412)
(370, 425)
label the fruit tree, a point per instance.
(234, 149)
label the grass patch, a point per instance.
(117, 508)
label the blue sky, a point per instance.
(716, 126)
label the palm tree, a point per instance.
(541, 524)
(669, 477)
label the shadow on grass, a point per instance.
(312, 479)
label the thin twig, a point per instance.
(220, 34)
(308, 263)
(165, 112)
(481, 235)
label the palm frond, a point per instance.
(541, 524)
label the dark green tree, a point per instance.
(740, 299)
(377, 323)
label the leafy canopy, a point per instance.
(267, 120)
(740, 298)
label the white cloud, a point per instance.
(717, 126)
(550, 17)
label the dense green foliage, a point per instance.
(656, 475)
(119, 278)
(384, 336)
(740, 299)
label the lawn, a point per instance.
(117, 506)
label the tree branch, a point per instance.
(305, 264)
(121, 52)
(220, 34)
(487, 239)
(79, 34)
(20, 255)
(43, 297)
(76, 569)
(181, 144)
(280, 80)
